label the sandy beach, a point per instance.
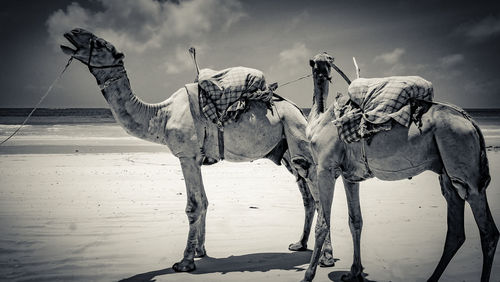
(78, 205)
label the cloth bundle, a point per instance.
(375, 102)
(223, 94)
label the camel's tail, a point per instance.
(484, 167)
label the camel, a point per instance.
(259, 133)
(399, 154)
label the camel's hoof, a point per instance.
(349, 277)
(326, 261)
(199, 253)
(184, 266)
(297, 247)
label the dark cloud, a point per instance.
(140, 25)
(453, 44)
(480, 30)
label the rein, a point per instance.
(295, 80)
(39, 102)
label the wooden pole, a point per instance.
(341, 73)
(356, 66)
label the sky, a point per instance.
(453, 44)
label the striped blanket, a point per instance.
(375, 102)
(223, 94)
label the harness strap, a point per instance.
(365, 159)
(220, 139)
(220, 129)
(91, 51)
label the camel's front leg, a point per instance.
(326, 186)
(196, 209)
(355, 225)
(306, 180)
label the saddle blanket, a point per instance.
(225, 92)
(375, 102)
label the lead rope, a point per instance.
(295, 80)
(39, 102)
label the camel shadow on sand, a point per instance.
(336, 276)
(261, 262)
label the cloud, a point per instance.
(480, 30)
(138, 25)
(296, 55)
(299, 19)
(391, 57)
(450, 61)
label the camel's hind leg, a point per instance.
(461, 147)
(455, 235)
(309, 208)
(487, 230)
(355, 225)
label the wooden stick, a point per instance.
(192, 51)
(356, 66)
(341, 73)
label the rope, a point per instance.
(39, 102)
(295, 80)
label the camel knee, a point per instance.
(355, 223)
(194, 209)
(321, 228)
(494, 237)
(302, 166)
(306, 194)
(309, 204)
(457, 241)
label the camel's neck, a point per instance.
(319, 97)
(129, 111)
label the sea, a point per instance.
(94, 130)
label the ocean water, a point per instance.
(66, 131)
(95, 131)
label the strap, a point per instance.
(365, 159)
(91, 51)
(220, 139)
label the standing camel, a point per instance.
(258, 133)
(448, 143)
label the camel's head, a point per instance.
(91, 50)
(321, 65)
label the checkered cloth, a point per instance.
(375, 102)
(225, 92)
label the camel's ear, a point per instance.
(330, 61)
(119, 56)
(311, 63)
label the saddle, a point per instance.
(223, 95)
(220, 97)
(374, 104)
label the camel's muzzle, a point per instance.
(67, 50)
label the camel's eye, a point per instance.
(99, 43)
